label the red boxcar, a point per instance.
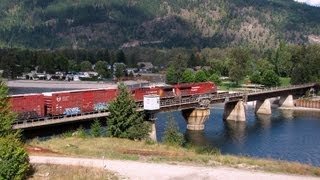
(77, 102)
(194, 88)
(138, 93)
(27, 106)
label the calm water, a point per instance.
(285, 135)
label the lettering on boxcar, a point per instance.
(72, 111)
(101, 106)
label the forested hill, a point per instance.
(158, 23)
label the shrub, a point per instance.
(81, 132)
(270, 78)
(255, 78)
(215, 78)
(14, 162)
(172, 135)
(96, 128)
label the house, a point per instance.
(145, 67)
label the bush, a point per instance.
(172, 135)
(200, 76)
(215, 78)
(14, 162)
(81, 132)
(270, 79)
(255, 78)
(96, 128)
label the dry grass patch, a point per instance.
(61, 172)
(112, 148)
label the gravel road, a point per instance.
(149, 171)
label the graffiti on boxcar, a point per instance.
(101, 106)
(72, 111)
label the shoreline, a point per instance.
(300, 109)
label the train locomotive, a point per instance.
(77, 102)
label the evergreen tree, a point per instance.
(171, 76)
(96, 128)
(14, 162)
(124, 121)
(6, 116)
(121, 57)
(188, 76)
(192, 61)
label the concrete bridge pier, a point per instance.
(263, 107)
(196, 118)
(286, 101)
(234, 111)
(153, 132)
(151, 118)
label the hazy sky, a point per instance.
(310, 2)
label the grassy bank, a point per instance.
(42, 171)
(112, 148)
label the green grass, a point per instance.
(112, 148)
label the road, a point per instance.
(149, 171)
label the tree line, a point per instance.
(298, 62)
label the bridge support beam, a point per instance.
(151, 118)
(196, 118)
(263, 107)
(234, 111)
(286, 101)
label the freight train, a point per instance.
(75, 102)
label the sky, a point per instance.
(310, 2)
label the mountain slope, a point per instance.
(175, 23)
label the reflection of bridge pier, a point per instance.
(236, 130)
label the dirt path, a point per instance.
(142, 170)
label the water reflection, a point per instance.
(287, 113)
(196, 137)
(264, 120)
(236, 131)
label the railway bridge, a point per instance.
(196, 108)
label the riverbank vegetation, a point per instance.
(113, 148)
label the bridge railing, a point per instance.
(272, 89)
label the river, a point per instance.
(285, 135)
